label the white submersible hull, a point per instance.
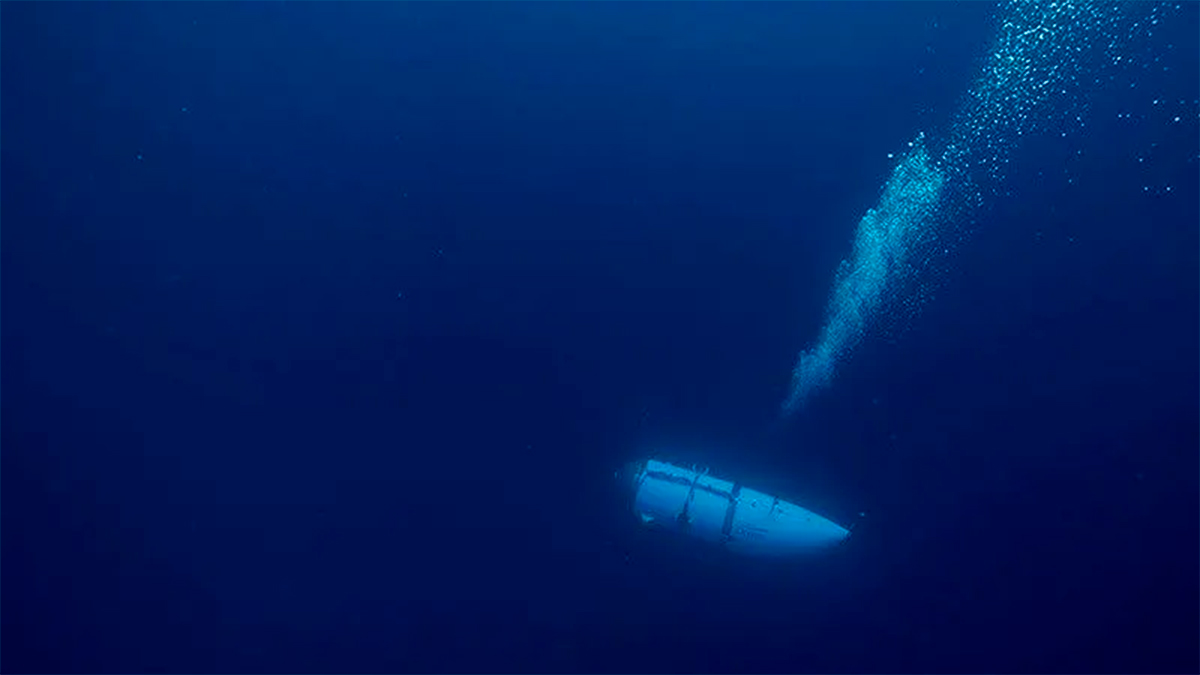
(694, 503)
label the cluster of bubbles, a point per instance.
(1044, 58)
(884, 244)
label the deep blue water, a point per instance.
(325, 326)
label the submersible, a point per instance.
(691, 501)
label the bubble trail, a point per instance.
(882, 246)
(1044, 58)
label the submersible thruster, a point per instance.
(691, 501)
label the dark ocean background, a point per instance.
(325, 326)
